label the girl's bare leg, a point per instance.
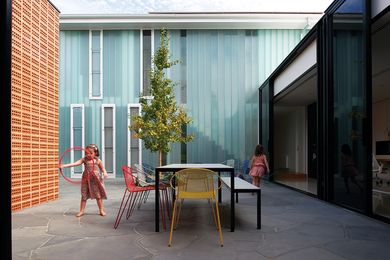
(83, 203)
(100, 205)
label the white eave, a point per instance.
(191, 21)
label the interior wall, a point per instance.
(381, 122)
(290, 139)
(380, 82)
(378, 5)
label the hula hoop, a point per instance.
(77, 148)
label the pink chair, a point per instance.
(133, 190)
(145, 179)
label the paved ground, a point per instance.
(294, 226)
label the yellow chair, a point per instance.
(195, 184)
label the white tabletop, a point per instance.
(196, 165)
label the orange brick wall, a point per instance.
(34, 103)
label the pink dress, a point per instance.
(92, 186)
(349, 168)
(258, 167)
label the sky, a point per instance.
(146, 6)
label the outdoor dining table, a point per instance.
(216, 167)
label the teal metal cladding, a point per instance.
(224, 69)
(121, 84)
(217, 82)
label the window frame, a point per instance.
(103, 155)
(90, 88)
(141, 89)
(72, 159)
(129, 106)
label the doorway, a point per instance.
(295, 134)
(381, 117)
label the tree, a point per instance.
(161, 119)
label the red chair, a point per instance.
(145, 179)
(133, 190)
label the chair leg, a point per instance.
(172, 223)
(131, 205)
(213, 211)
(166, 192)
(121, 209)
(219, 224)
(146, 196)
(166, 202)
(136, 200)
(171, 198)
(178, 213)
(141, 199)
(162, 211)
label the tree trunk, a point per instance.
(160, 153)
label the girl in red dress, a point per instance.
(92, 186)
(258, 165)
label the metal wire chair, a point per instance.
(195, 184)
(132, 191)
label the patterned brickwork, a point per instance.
(34, 103)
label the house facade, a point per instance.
(325, 110)
(103, 70)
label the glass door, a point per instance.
(265, 99)
(349, 144)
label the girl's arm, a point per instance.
(101, 167)
(77, 163)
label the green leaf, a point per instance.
(161, 119)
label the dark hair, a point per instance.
(259, 150)
(346, 149)
(95, 148)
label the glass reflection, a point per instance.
(380, 117)
(349, 170)
(351, 6)
(349, 105)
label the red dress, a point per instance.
(258, 167)
(92, 186)
(349, 168)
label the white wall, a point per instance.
(302, 63)
(377, 6)
(290, 140)
(381, 122)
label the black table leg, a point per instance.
(232, 204)
(157, 201)
(259, 209)
(220, 190)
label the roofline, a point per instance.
(232, 20)
(55, 7)
(249, 13)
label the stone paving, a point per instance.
(294, 226)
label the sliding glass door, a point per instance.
(349, 145)
(265, 114)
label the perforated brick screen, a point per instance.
(34, 102)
